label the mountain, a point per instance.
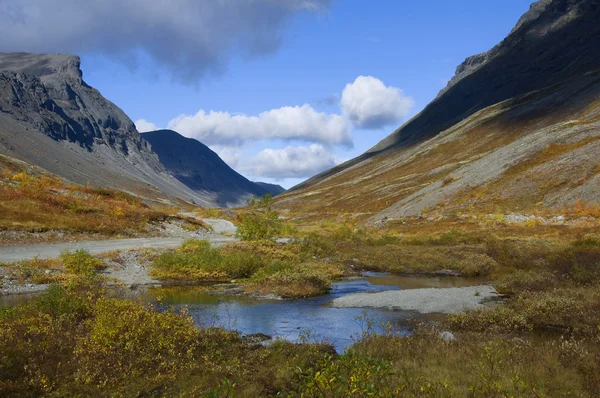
(51, 118)
(273, 189)
(517, 128)
(198, 167)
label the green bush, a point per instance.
(261, 222)
(80, 262)
(197, 260)
(132, 345)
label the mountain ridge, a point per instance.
(524, 92)
(51, 118)
(198, 167)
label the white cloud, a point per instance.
(369, 104)
(143, 126)
(189, 37)
(290, 162)
(287, 123)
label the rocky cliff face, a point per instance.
(525, 114)
(199, 168)
(50, 117)
(47, 93)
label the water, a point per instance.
(294, 320)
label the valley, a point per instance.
(459, 256)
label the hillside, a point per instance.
(50, 117)
(198, 167)
(517, 129)
(273, 189)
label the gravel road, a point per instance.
(425, 301)
(9, 254)
(219, 226)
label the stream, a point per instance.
(301, 320)
(311, 319)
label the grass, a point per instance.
(68, 266)
(264, 267)
(76, 341)
(32, 201)
(545, 341)
(36, 271)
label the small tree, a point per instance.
(261, 221)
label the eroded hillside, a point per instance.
(516, 129)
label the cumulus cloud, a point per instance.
(287, 123)
(370, 104)
(290, 162)
(189, 38)
(143, 126)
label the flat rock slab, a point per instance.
(447, 301)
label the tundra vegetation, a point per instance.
(75, 340)
(544, 341)
(32, 200)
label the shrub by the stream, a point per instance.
(80, 262)
(261, 222)
(265, 267)
(74, 341)
(196, 260)
(294, 280)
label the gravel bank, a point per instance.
(447, 301)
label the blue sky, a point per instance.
(410, 49)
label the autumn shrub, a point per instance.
(262, 222)
(212, 213)
(132, 345)
(40, 202)
(348, 376)
(565, 310)
(196, 260)
(511, 281)
(80, 262)
(290, 280)
(581, 208)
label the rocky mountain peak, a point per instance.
(43, 65)
(543, 18)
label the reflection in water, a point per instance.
(12, 300)
(287, 319)
(291, 319)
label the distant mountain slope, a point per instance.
(517, 127)
(273, 189)
(199, 168)
(51, 118)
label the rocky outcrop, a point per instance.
(47, 93)
(51, 118)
